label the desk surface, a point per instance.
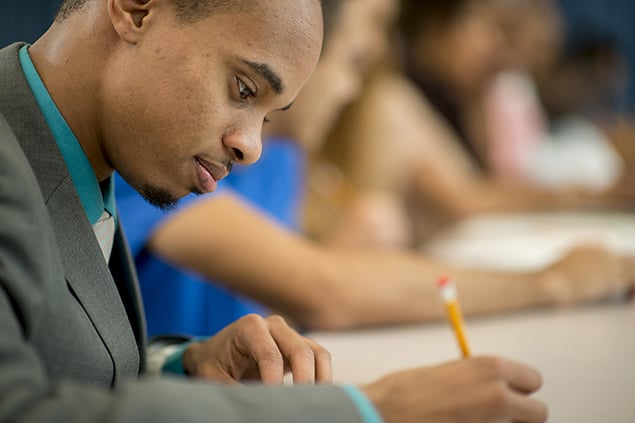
(586, 354)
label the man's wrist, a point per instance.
(175, 363)
(165, 354)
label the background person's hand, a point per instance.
(480, 389)
(588, 272)
(257, 348)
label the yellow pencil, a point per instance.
(453, 311)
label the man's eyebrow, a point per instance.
(266, 72)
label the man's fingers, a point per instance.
(514, 381)
(521, 377)
(257, 342)
(295, 349)
(323, 364)
(272, 347)
(517, 376)
(526, 409)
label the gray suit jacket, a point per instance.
(71, 328)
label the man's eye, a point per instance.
(244, 91)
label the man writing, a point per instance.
(169, 94)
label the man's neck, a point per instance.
(70, 70)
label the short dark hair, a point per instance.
(68, 7)
(192, 10)
(186, 10)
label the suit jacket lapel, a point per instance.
(122, 268)
(96, 289)
(86, 271)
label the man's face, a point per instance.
(189, 99)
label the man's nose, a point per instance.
(246, 145)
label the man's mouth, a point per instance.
(209, 175)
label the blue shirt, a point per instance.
(183, 302)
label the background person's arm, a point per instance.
(328, 288)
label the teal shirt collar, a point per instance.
(94, 198)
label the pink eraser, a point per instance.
(442, 281)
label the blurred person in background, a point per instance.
(425, 136)
(545, 111)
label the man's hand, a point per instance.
(257, 348)
(480, 389)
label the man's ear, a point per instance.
(128, 18)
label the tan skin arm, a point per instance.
(325, 288)
(465, 195)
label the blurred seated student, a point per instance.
(514, 121)
(246, 238)
(578, 100)
(420, 135)
(548, 115)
